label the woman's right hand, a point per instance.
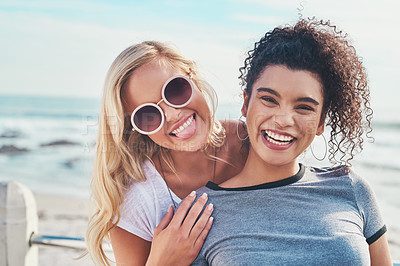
(178, 238)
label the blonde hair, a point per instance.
(120, 152)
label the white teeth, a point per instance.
(277, 139)
(276, 142)
(185, 125)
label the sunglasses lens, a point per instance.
(178, 91)
(148, 118)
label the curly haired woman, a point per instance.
(276, 211)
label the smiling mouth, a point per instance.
(277, 138)
(189, 121)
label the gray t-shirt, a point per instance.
(320, 216)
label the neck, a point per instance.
(193, 170)
(256, 171)
(186, 160)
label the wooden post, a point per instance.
(18, 221)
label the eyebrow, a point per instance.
(274, 92)
(308, 99)
(301, 99)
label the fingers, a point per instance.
(194, 214)
(183, 209)
(203, 235)
(188, 220)
(165, 220)
(202, 222)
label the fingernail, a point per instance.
(211, 219)
(192, 194)
(204, 196)
(210, 206)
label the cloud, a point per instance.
(43, 55)
(48, 5)
(268, 20)
(269, 5)
(65, 48)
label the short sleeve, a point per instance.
(374, 226)
(145, 204)
(136, 214)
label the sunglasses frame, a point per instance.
(156, 105)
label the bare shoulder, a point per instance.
(230, 127)
(234, 151)
(236, 131)
(229, 124)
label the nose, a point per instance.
(284, 118)
(171, 114)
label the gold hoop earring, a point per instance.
(326, 149)
(237, 129)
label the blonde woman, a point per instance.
(158, 141)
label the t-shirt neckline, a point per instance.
(174, 196)
(274, 184)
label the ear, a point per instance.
(245, 103)
(321, 125)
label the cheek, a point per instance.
(254, 119)
(310, 125)
(158, 137)
(200, 106)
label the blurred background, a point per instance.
(54, 56)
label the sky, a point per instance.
(65, 47)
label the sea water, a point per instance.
(48, 144)
(51, 140)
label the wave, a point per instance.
(50, 114)
(386, 124)
(386, 144)
(379, 166)
(48, 107)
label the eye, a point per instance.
(305, 107)
(268, 99)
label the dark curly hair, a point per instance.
(318, 47)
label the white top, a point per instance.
(146, 203)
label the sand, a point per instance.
(62, 216)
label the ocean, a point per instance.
(48, 144)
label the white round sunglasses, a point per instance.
(177, 92)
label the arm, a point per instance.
(177, 239)
(128, 248)
(379, 252)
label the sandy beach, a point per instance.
(62, 216)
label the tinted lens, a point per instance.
(178, 91)
(148, 118)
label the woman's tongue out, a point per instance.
(187, 129)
